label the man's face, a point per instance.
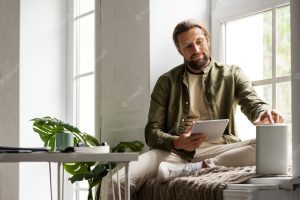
(193, 46)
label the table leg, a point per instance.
(127, 182)
(119, 185)
(58, 180)
(112, 184)
(63, 182)
(50, 176)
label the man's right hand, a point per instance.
(188, 141)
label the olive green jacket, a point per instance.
(224, 87)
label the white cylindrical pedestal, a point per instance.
(271, 149)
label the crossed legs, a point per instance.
(230, 155)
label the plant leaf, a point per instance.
(78, 167)
(81, 176)
(46, 126)
(134, 146)
(92, 141)
(71, 128)
(51, 142)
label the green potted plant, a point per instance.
(48, 127)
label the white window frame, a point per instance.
(68, 186)
(228, 10)
(272, 81)
(239, 9)
(72, 88)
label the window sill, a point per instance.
(275, 182)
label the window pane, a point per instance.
(284, 100)
(80, 189)
(265, 93)
(84, 53)
(83, 184)
(283, 41)
(83, 6)
(249, 45)
(83, 195)
(85, 104)
(245, 128)
(85, 44)
(284, 104)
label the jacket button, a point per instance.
(186, 102)
(182, 119)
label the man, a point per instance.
(199, 89)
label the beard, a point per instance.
(198, 64)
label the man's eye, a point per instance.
(199, 42)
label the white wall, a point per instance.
(131, 53)
(43, 81)
(9, 93)
(122, 69)
(164, 16)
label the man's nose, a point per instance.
(196, 48)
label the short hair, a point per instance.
(187, 25)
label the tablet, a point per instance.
(213, 128)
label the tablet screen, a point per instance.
(213, 128)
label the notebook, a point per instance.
(7, 149)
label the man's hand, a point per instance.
(269, 117)
(188, 141)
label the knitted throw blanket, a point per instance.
(205, 184)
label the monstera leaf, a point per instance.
(48, 127)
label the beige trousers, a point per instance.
(230, 155)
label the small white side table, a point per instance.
(73, 157)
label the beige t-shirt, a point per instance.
(198, 109)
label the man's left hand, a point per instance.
(269, 117)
